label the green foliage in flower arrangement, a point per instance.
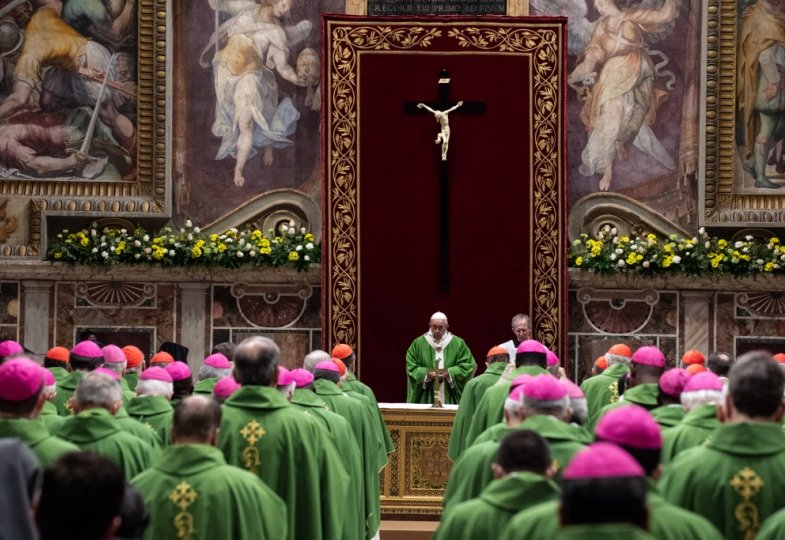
(610, 253)
(187, 247)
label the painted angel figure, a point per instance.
(249, 113)
(615, 77)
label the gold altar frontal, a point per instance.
(413, 482)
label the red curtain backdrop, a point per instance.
(492, 205)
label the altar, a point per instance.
(413, 482)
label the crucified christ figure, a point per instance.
(442, 117)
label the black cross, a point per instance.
(443, 104)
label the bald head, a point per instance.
(196, 421)
(256, 362)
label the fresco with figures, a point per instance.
(69, 89)
(634, 83)
(247, 108)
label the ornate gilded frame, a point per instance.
(541, 39)
(149, 195)
(722, 201)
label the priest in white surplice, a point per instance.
(438, 359)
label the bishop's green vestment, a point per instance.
(354, 384)
(487, 515)
(98, 431)
(668, 416)
(46, 447)
(472, 394)
(155, 412)
(695, 429)
(603, 389)
(490, 409)
(192, 493)
(266, 435)
(736, 480)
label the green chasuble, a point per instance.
(696, 429)
(603, 389)
(666, 521)
(205, 386)
(373, 454)
(606, 531)
(59, 374)
(375, 414)
(490, 409)
(46, 447)
(50, 418)
(138, 429)
(644, 395)
(353, 383)
(420, 357)
(192, 493)
(264, 434)
(155, 412)
(343, 438)
(65, 390)
(132, 378)
(736, 480)
(472, 472)
(472, 393)
(487, 515)
(128, 394)
(98, 431)
(773, 528)
(668, 416)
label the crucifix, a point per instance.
(441, 110)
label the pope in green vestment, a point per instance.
(736, 480)
(98, 431)
(696, 429)
(264, 434)
(192, 493)
(490, 409)
(349, 450)
(373, 454)
(438, 349)
(488, 515)
(153, 411)
(472, 472)
(46, 447)
(472, 394)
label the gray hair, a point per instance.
(520, 317)
(693, 399)
(545, 407)
(313, 358)
(513, 407)
(210, 372)
(580, 410)
(97, 390)
(116, 367)
(153, 387)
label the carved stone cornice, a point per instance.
(759, 283)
